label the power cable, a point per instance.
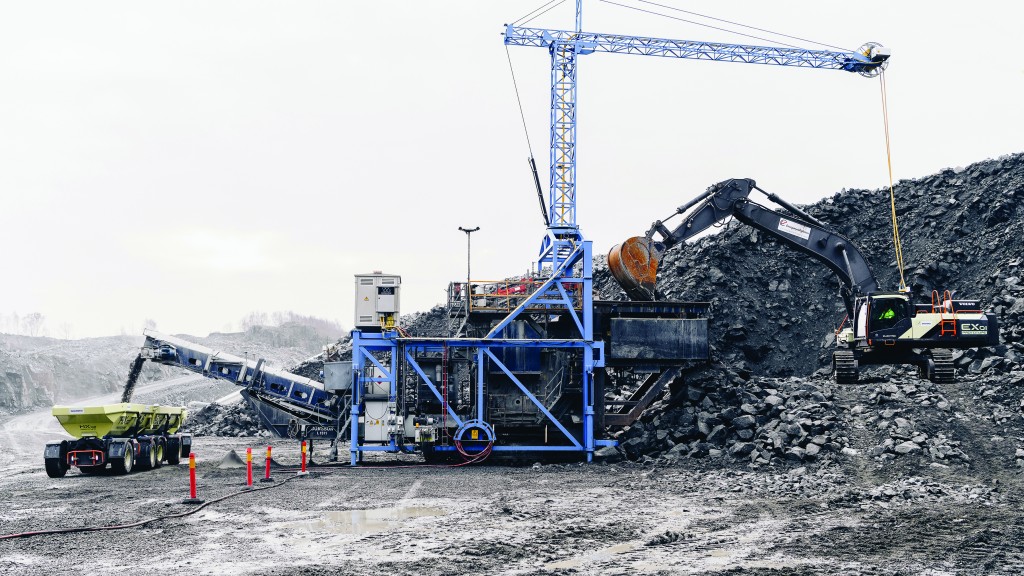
(519, 101)
(704, 25)
(897, 243)
(743, 25)
(532, 11)
(469, 459)
(544, 12)
(140, 522)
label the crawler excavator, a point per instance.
(881, 327)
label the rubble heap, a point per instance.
(775, 312)
(236, 419)
(713, 412)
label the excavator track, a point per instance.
(844, 366)
(943, 372)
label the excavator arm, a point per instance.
(635, 262)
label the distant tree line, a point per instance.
(32, 324)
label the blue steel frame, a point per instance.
(553, 294)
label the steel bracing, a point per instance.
(589, 42)
(376, 358)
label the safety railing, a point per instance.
(503, 295)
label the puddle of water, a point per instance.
(719, 553)
(365, 521)
(602, 554)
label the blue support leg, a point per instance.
(357, 383)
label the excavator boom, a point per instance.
(886, 328)
(635, 262)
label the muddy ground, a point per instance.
(849, 513)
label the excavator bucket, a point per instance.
(634, 264)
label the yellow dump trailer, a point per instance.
(124, 435)
(119, 419)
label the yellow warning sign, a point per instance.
(366, 298)
(474, 434)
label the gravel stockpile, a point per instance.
(774, 317)
(775, 310)
(716, 413)
(236, 419)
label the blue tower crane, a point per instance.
(566, 46)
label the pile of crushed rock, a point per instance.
(236, 419)
(715, 412)
(767, 398)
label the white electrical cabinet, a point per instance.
(377, 300)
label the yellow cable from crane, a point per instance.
(892, 193)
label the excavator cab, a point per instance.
(888, 316)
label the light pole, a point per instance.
(468, 231)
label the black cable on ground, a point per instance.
(142, 522)
(471, 459)
(478, 458)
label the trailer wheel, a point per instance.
(158, 450)
(147, 456)
(55, 468)
(173, 451)
(124, 465)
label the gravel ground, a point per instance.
(845, 516)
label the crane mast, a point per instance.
(566, 46)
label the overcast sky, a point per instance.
(191, 162)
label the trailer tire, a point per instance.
(147, 456)
(124, 465)
(55, 468)
(158, 448)
(173, 451)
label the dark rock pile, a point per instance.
(775, 311)
(235, 419)
(716, 412)
(890, 410)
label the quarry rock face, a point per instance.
(44, 371)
